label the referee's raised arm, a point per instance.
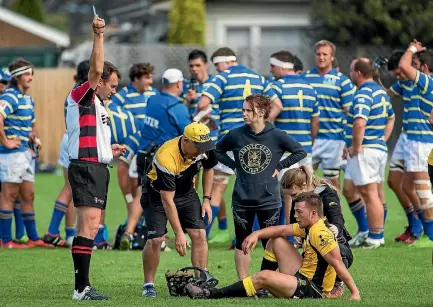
(97, 56)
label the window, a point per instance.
(238, 37)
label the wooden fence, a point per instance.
(49, 90)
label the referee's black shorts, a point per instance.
(89, 183)
(188, 207)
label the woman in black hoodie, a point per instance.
(257, 147)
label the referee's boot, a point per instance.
(89, 294)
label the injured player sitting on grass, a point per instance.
(310, 277)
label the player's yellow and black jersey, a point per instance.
(319, 242)
(172, 172)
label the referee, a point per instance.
(90, 152)
(169, 194)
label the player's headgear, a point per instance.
(224, 54)
(283, 59)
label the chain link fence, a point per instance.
(164, 56)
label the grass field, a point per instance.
(392, 276)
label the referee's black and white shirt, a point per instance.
(87, 123)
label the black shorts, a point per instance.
(89, 183)
(244, 220)
(188, 207)
(306, 288)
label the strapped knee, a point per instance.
(221, 179)
(396, 166)
(424, 194)
(331, 173)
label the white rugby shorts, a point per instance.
(133, 173)
(328, 153)
(416, 156)
(366, 167)
(397, 157)
(64, 153)
(223, 168)
(17, 167)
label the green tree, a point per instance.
(376, 22)
(33, 9)
(187, 22)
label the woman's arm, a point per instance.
(290, 145)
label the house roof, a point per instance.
(36, 28)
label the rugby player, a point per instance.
(311, 275)
(396, 177)
(17, 133)
(335, 94)
(369, 125)
(20, 236)
(169, 194)
(300, 115)
(298, 180)
(193, 89)
(420, 133)
(133, 98)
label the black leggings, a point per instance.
(244, 220)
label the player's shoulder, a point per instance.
(11, 95)
(342, 77)
(321, 234)
(167, 156)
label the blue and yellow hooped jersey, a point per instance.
(230, 88)
(335, 93)
(17, 110)
(300, 105)
(404, 89)
(420, 108)
(122, 123)
(133, 101)
(192, 108)
(371, 103)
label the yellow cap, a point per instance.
(199, 133)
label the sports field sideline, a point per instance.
(396, 275)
